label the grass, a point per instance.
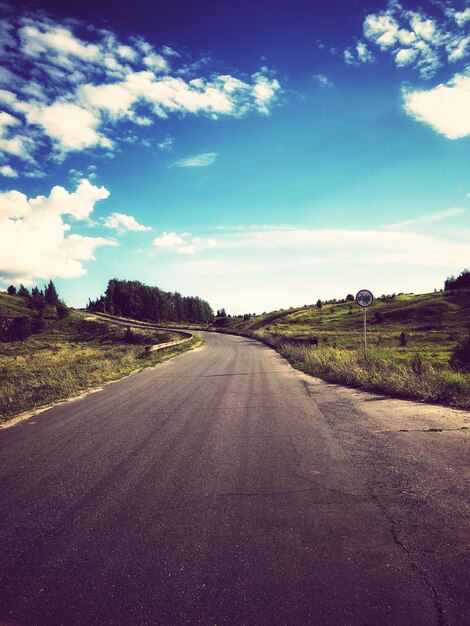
(381, 372)
(432, 323)
(73, 355)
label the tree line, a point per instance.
(131, 298)
(38, 300)
(461, 282)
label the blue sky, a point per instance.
(257, 154)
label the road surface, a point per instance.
(224, 487)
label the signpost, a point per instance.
(364, 298)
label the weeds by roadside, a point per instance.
(74, 357)
(416, 379)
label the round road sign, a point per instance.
(364, 298)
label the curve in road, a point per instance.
(224, 487)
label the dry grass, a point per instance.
(70, 357)
(416, 379)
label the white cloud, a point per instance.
(33, 235)
(327, 246)
(462, 17)
(415, 39)
(167, 143)
(169, 240)
(8, 171)
(359, 54)
(56, 40)
(323, 80)
(349, 57)
(184, 243)
(446, 108)
(122, 222)
(200, 160)
(363, 53)
(405, 56)
(113, 98)
(68, 93)
(70, 126)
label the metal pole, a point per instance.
(365, 331)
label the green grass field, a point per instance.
(70, 356)
(432, 325)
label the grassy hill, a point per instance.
(410, 338)
(70, 355)
(16, 306)
(432, 324)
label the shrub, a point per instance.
(402, 340)
(128, 335)
(62, 310)
(37, 325)
(11, 290)
(21, 328)
(460, 359)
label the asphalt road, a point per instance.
(224, 487)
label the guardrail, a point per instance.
(187, 336)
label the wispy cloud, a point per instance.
(183, 243)
(297, 247)
(323, 80)
(199, 160)
(167, 143)
(428, 219)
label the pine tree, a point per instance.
(22, 291)
(37, 300)
(11, 290)
(50, 294)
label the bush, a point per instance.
(11, 290)
(128, 335)
(21, 328)
(460, 359)
(37, 325)
(62, 310)
(402, 340)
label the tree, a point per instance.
(50, 294)
(11, 290)
(37, 302)
(22, 291)
(350, 298)
(461, 282)
(21, 328)
(319, 304)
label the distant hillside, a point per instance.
(434, 319)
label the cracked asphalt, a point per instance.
(224, 487)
